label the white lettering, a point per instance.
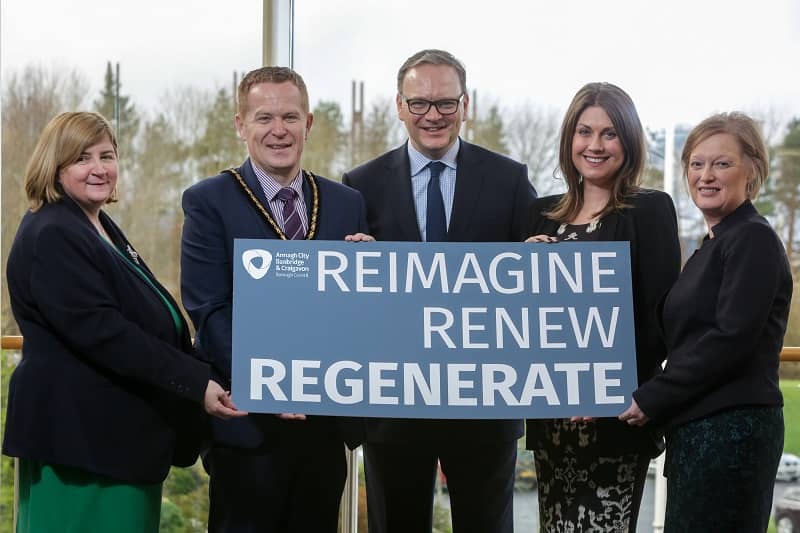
(300, 380)
(354, 385)
(429, 328)
(377, 383)
(503, 387)
(361, 272)
(544, 327)
(602, 383)
(335, 272)
(431, 391)
(455, 384)
(597, 272)
(258, 380)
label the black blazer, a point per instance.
(650, 226)
(491, 204)
(105, 383)
(217, 211)
(724, 322)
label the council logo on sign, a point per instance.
(251, 257)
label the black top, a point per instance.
(724, 322)
(650, 226)
(106, 382)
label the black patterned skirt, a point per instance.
(581, 487)
(721, 471)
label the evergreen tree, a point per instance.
(489, 131)
(129, 120)
(219, 147)
(787, 189)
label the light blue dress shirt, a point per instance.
(421, 175)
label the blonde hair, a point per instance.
(61, 143)
(746, 132)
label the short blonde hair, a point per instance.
(746, 132)
(61, 143)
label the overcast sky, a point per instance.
(680, 60)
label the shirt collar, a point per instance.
(271, 186)
(419, 161)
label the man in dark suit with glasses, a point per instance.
(437, 187)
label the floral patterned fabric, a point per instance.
(721, 471)
(580, 490)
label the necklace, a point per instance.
(312, 223)
(592, 226)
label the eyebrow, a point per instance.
(606, 128)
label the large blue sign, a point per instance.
(433, 330)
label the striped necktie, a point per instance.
(292, 225)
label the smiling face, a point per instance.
(91, 180)
(274, 126)
(597, 152)
(432, 134)
(717, 174)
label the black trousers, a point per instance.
(401, 478)
(294, 487)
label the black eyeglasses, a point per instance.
(419, 106)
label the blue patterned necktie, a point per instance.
(436, 222)
(292, 226)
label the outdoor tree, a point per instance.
(106, 104)
(149, 209)
(379, 133)
(787, 189)
(533, 139)
(323, 154)
(219, 147)
(488, 131)
(30, 98)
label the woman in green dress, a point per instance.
(108, 394)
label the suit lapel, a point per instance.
(399, 194)
(470, 176)
(608, 228)
(250, 178)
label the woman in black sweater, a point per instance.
(724, 322)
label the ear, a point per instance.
(309, 122)
(239, 124)
(399, 102)
(465, 103)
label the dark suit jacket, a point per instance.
(217, 211)
(491, 204)
(104, 378)
(650, 226)
(724, 322)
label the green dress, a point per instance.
(55, 498)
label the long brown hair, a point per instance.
(620, 109)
